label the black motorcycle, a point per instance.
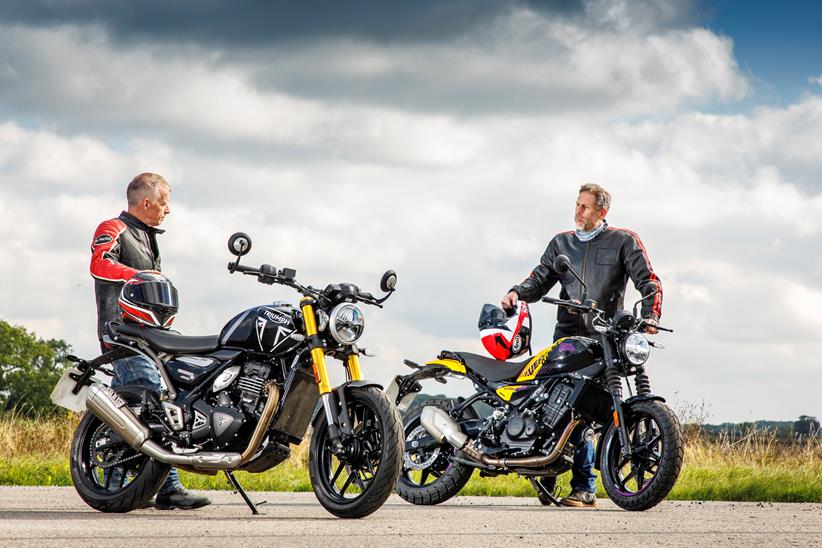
(238, 400)
(535, 407)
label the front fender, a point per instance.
(339, 394)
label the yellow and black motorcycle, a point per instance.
(535, 407)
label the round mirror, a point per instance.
(239, 244)
(561, 264)
(388, 281)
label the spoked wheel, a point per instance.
(644, 479)
(354, 481)
(428, 475)
(108, 474)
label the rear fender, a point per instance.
(402, 390)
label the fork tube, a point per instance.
(353, 365)
(316, 346)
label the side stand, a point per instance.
(545, 496)
(239, 489)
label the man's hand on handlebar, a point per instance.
(651, 325)
(510, 300)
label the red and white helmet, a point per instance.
(505, 334)
(149, 298)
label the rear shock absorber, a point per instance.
(642, 382)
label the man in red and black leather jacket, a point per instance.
(121, 248)
(605, 258)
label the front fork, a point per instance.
(320, 366)
(614, 382)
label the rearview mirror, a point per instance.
(239, 244)
(561, 264)
(388, 281)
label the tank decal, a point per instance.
(531, 369)
(453, 365)
(506, 392)
(233, 327)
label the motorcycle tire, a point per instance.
(356, 482)
(644, 480)
(100, 459)
(449, 477)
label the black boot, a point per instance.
(180, 498)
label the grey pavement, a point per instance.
(56, 516)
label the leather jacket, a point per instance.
(121, 248)
(604, 263)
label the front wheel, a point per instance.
(644, 479)
(354, 481)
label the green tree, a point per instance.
(29, 369)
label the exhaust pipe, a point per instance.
(444, 428)
(113, 410)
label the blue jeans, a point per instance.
(583, 477)
(141, 371)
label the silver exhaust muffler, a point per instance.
(113, 410)
(442, 427)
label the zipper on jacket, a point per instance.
(580, 320)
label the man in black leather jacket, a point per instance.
(605, 258)
(121, 248)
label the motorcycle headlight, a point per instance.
(636, 349)
(346, 324)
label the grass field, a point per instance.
(753, 467)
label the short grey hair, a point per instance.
(144, 186)
(603, 197)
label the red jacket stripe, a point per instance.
(657, 304)
(105, 253)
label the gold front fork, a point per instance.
(317, 352)
(354, 371)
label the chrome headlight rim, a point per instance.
(346, 331)
(636, 349)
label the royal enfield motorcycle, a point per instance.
(535, 407)
(238, 400)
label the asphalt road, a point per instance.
(55, 516)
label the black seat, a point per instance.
(167, 341)
(491, 369)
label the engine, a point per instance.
(535, 427)
(221, 419)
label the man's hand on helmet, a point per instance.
(510, 300)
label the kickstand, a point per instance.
(239, 489)
(544, 494)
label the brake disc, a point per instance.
(421, 459)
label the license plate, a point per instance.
(62, 395)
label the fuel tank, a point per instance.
(568, 355)
(274, 329)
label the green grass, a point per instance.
(755, 467)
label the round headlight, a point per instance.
(636, 349)
(347, 323)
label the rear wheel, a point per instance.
(108, 474)
(428, 475)
(357, 480)
(644, 479)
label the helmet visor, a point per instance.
(157, 293)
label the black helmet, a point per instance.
(149, 298)
(505, 335)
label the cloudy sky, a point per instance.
(443, 139)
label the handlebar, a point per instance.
(585, 308)
(267, 274)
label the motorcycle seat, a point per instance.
(491, 369)
(167, 341)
